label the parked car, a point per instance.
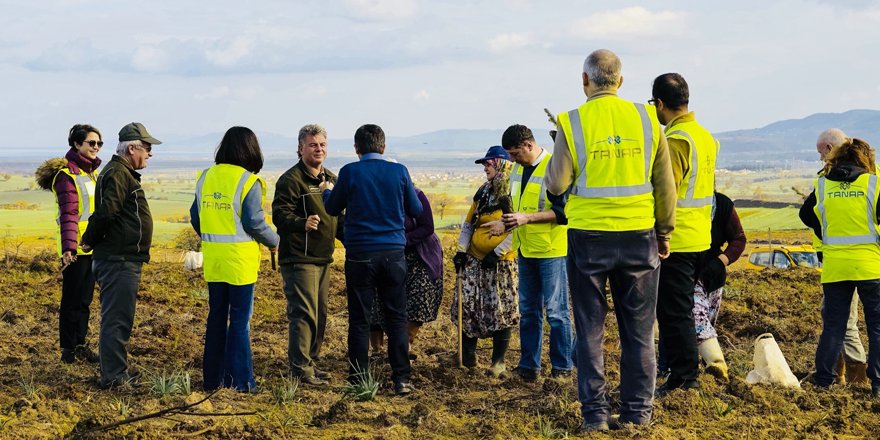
(783, 257)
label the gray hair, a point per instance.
(832, 136)
(603, 69)
(310, 130)
(122, 148)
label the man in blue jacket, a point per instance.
(376, 196)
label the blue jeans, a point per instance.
(377, 276)
(543, 283)
(228, 361)
(835, 313)
(629, 260)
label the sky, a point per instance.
(188, 68)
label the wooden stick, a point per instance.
(458, 283)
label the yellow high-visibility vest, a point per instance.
(693, 209)
(613, 145)
(85, 195)
(850, 234)
(230, 254)
(536, 240)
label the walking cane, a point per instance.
(460, 329)
(272, 257)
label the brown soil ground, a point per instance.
(449, 403)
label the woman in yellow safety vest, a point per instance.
(842, 211)
(228, 215)
(486, 267)
(72, 180)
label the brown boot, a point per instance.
(840, 370)
(856, 373)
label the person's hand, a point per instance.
(312, 222)
(85, 247)
(515, 219)
(459, 261)
(496, 227)
(663, 248)
(326, 185)
(67, 257)
(490, 261)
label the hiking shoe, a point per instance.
(323, 375)
(674, 384)
(498, 371)
(312, 380)
(558, 373)
(526, 374)
(587, 428)
(403, 388)
(68, 356)
(85, 354)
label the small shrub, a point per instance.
(165, 384)
(364, 387)
(285, 390)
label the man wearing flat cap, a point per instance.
(120, 231)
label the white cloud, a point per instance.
(381, 9)
(230, 54)
(502, 42)
(422, 96)
(633, 21)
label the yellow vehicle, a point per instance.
(783, 257)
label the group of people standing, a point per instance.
(619, 200)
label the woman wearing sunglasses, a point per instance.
(72, 180)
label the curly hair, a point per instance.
(855, 151)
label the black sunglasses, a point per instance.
(93, 143)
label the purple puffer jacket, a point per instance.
(68, 201)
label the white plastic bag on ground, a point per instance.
(192, 260)
(770, 364)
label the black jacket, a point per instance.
(298, 196)
(121, 228)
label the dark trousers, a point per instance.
(227, 360)
(630, 261)
(77, 290)
(305, 287)
(675, 315)
(119, 281)
(835, 312)
(377, 276)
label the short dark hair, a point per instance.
(672, 89)
(369, 138)
(240, 147)
(79, 133)
(516, 135)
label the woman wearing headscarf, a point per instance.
(486, 266)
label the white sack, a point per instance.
(770, 364)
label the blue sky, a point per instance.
(187, 68)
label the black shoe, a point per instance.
(312, 380)
(323, 375)
(68, 356)
(403, 388)
(557, 373)
(587, 428)
(526, 374)
(674, 384)
(86, 354)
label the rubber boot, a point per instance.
(500, 342)
(840, 369)
(856, 373)
(711, 353)
(468, 351)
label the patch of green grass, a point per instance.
(546, 428)
(165, 384)
(28, 386)
(717, 407)
(121, 406)
(285, 390)
(364, 388)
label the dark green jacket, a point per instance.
(121, 228)
(297, 196)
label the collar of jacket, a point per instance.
(124, 162)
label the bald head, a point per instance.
(829, 139)
(602, 68)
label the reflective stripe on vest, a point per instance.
(85, 188)
(240, 235)
(580, 187)
(689, 201)
(871, 236)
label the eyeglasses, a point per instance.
(146, 147)
(93, 143)
(652, 101)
